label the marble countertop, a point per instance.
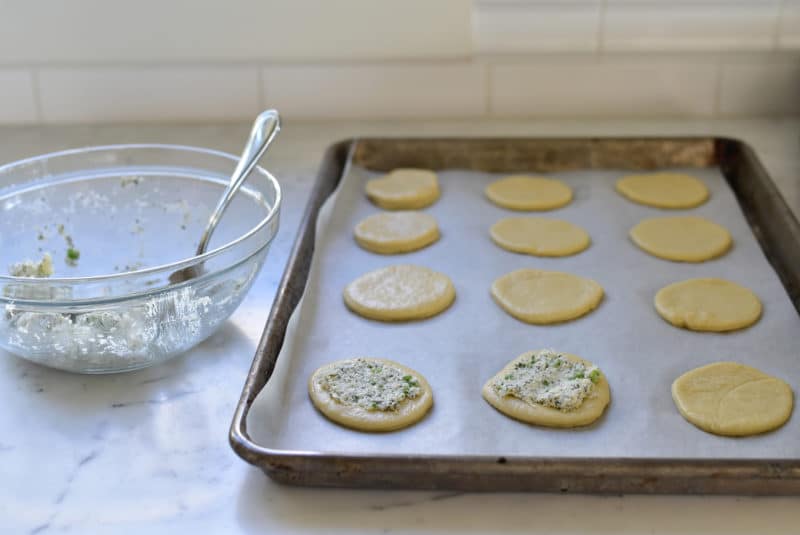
(147, 452)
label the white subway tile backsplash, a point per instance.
(17, 100)
(789, 28)
(500, 27)
(370, 91)
(148, 93)
(544, 85)
(760, 88)
(629, 88)
(690, 25)
(181, 30)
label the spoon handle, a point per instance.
(265, 128)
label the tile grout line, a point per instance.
(601, 28)
(718, 88)
(411, 62)
(776, 31)
(487, 86)
(37, 96)
(224, 63)
(262, 98)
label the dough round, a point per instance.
(400, 293)
(404, 189)
(682, 238)
(590, 410)
(396, 232)
(542, 297)
(726, 398)
(539, 236)
(664, 190)
(353, 416)
(520, 192)
(708, 305)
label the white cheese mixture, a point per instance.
(29, 268)
(548, 379)
(370, 385)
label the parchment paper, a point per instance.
(458, 350)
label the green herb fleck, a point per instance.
(594, 376)
(578, 375)
(73, 254)
(546, 382)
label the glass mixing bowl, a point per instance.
(116, 222)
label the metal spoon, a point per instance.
(265, 128)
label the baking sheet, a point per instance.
(459, 349)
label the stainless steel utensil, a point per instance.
(265, 128)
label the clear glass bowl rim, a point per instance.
(172, 266)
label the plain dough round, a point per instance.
(726, 398)
(396, 232)
(408, 413)
(682, 238)
(543, 297)
(590, 410)
(520, 192)
(404, 189)
(664, 190)
(400, 293)
(539, 236)
(708, 305)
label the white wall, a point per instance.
(106, 31)
(158, 60)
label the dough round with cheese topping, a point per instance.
(682, 238)
(590, 409)
(663, 190)
(715, 305)
(521, 192)
(539, 236)
(396, 232)
(727, 398)
(404, 189)
(354, 416)
(542, 297)
(400, 293)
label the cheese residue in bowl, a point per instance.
(28, 268)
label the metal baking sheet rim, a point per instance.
(754, 190)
